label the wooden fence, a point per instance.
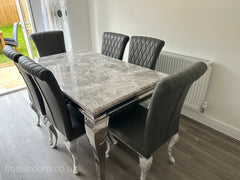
(25, 10)
(8, 12)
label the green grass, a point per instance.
(7, 33)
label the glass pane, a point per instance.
(28, 23)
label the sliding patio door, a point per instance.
(27, 23)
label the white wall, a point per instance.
(37, 15)
(79, 24)
(207, 29)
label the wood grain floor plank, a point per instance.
(201, 153)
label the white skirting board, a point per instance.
(13, 90)
(213, 123)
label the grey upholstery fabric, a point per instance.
(68, 120)
(146, 130)
(144, 51)
(11, 53)
(113, 44)
(13, 41)
(49, 42)
(34, 94)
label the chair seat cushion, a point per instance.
(11, 42)
(77, 120)
(128, 125)
(9, 39)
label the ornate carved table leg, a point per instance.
(97, 133)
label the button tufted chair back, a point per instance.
(34, 94)
(144, 51)
(113, 44)
(166, 104)
(11, 53)
(145, 130)
(56, 108)
(49, 42)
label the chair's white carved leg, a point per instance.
(145, 165)
(96, 131)
(52, 131)
(50, 137)
(108, 142)
(113, 139)
(72, 148)
(45, 120)
(48, 124)
(173, 141)
(37, 112)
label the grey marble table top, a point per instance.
(97, 82)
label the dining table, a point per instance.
(100, 85)
(2, 40)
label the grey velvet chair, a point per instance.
(49, 42)
(145, 130)
(114, 44)
(64, 116)
(144, 51)
(36, 101)
(13, 41)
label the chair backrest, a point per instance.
(11, 53)
(144, 51)
(49, 42)
(34, 94)
(15, 32)
(56, 108)
(113, 44)
(166, 104)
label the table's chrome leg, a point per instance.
(97, 133)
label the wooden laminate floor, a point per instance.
(201, 153)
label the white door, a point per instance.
(58, 19)
(26, 23)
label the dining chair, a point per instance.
(113, 44)
(65, 116)
(49, 42)
(36, 101)
(144, 51)
(14, 40)
(146, 130)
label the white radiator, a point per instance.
(171, 63)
